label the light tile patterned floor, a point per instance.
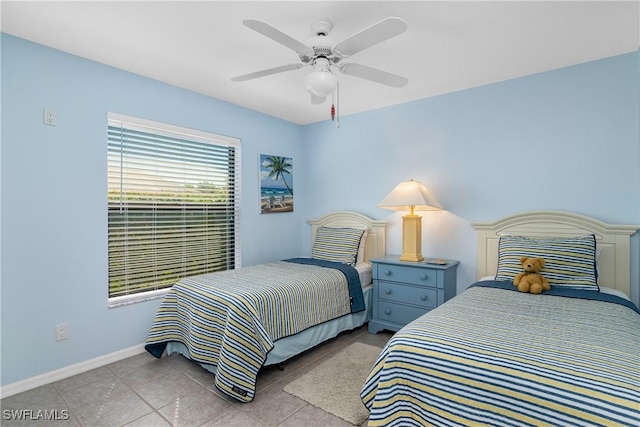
(145, 391)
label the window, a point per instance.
(173, 206)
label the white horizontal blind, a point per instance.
(173, 197)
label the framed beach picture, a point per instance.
(276, 184)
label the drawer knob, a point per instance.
(387, 311)
(423, 277)
(387, 273)
(387, 291)
(423, 298)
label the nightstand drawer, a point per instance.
(415, 275)
(418, 296)
(398, 313)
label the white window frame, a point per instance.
(192, 135)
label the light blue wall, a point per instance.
(562, 140)
(54, 224)
(567, 139)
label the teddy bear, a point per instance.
(530, 280)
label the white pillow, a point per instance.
(363, 241)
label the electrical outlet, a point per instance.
(61, 332)
(49, 116)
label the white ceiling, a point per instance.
(449, 45)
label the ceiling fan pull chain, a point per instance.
(337, 104)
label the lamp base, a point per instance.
(411, 238)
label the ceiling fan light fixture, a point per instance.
(320, 83)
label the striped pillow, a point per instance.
(569, 261)
(337, 244)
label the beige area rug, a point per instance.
(334, 385)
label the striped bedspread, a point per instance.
(231, 319)
(498, 357)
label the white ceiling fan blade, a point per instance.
(267, 72)
(316, 100)
(278, 36)
(383, 30)
(373, 74)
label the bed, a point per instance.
(494, 356)
(235, 322)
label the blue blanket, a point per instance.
(563, 292)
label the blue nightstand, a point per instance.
(404, 290)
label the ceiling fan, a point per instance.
(322, 53)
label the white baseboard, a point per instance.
(69, 371)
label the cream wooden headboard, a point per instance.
(375, 245)
(612, 241)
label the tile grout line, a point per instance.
(72, 413)
(139, 397)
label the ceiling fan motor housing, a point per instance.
(321, 43)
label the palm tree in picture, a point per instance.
(278, 167)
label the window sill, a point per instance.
(136, 298)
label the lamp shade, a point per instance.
(320, 83)
(410, 195)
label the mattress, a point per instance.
(365, 273)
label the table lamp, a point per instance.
(411, 195)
